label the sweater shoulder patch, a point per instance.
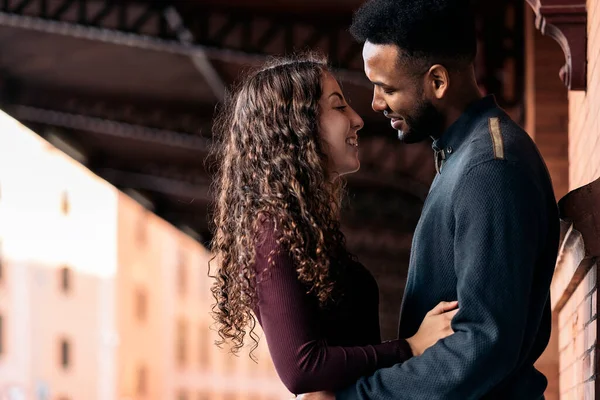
(497, 139)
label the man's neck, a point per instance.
(466, 93)
(459, 107)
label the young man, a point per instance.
(489, 231)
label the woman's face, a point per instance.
(338, 127)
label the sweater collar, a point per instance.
(455, 135)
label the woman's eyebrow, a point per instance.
(338, 95)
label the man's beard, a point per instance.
(426, 121)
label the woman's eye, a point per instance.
(342, 108)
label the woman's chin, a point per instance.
(351, 169)
(348, 169)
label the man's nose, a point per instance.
(378, 104)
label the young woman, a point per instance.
(285, 137)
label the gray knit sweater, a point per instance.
(488, 236)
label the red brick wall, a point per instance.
(547, 104)
(577, 341)
(584, 107)
(575, 327)
(577, 321)
(546, 120)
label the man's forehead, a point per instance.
(381, 63)
(379, 52)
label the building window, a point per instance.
(230, 361)
(65, 205)
(1, 335)
(204, 346)
(142, 379)
(1, 262)
(65, 279)
(181, 349)
(182, 395)
(181, 274)
(142, 229)
(65, 353)
(141, 304)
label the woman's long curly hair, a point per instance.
(271, 164)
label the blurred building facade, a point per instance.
(100, 298)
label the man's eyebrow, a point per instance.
(381, 84)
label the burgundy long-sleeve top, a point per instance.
(320, 348)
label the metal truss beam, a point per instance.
(243, 37)
(187, 118)
(219, 35)
(198, 58)
(146, 124)
(363, 185)
(153, 183)
(107, 127)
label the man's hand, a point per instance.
(317, 396)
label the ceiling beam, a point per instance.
(366, 179)
(186, 191)
(185, 117)
(198, 57)
(151, 31)
(103, 126)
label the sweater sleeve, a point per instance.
(497, 234)
(289, 317)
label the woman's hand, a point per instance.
(435, 326)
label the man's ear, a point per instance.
(437, 81)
